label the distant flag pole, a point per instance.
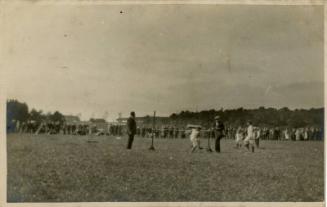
(153, 130)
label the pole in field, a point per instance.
(209, 137)
(153, 130)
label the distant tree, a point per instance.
(261, 108)
(147, 119)
(36, 115)
(260, 117)
(173, 116)
(56, 117)
(98, 120)
(16, 111)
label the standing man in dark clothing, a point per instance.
(219, 130)
(131, 129)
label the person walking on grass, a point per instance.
(249, 140)
(297, 134)
(131, 129)
(219, 129)
(195, 138)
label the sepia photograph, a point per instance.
(175, 102)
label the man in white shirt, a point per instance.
(249, 140)
(195, 138)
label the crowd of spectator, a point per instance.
(164, 132)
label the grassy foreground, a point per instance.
(64, 168)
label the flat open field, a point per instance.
(64, 168)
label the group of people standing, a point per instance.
(219, 133)
(249, 139)
(33, 127)
(65, 128)
(218, 127)
(281, 133)
(248, 136)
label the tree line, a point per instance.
(19, 111)
(266, 117)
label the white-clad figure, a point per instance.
(195, 138)
(305, 134)
(239, 136)
(286, 134)
(298, 134)
(249, 140)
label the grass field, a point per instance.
(63, 168)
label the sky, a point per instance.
(101, 60)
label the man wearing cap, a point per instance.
(131, 129)
(219, 130)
